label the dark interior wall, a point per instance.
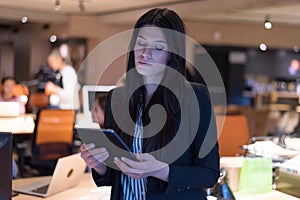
(22, 59)
(28, 41)
(6, 58)
(232, 72)
(220, 58)
(272, 63)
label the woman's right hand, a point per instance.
(94, 157)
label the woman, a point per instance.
(7, 93)
(155, 53)
(98, 108)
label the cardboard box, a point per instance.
(289, 181)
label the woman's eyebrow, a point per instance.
(160, 41)
(139, 36)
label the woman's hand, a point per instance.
(146, 166)
(94, 157)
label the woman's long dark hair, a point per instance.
(174, 30)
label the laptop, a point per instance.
(9, 109)
(68, 171)
(89, 93)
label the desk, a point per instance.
(273, 195)
(23, 124)
(22, 128)
(85, 190)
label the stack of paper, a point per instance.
(291, 166)
(271, 150)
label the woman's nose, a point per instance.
(147, 52)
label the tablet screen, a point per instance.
(106, 138)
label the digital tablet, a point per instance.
(107, 138)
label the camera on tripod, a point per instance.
(46, 74)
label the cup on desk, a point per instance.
(233, 166)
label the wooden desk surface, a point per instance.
(85, 190)
(273, 195)
(23, 124)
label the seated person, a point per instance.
(98, 109)
(7, 92)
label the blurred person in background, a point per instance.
(98, 109)
(67, 96)
(7, 92)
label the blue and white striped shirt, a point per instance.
(135, 189)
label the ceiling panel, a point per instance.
(127, 11)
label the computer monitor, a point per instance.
(89, 92)
(6, 165)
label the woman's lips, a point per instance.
(144, 63)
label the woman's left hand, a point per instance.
(146, 166)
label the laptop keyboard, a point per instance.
(41, 190)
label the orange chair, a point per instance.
(20, 90)
(233, 135)
(38, 101)
(52, 138)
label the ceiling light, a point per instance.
(24, 19)
(57, 5)
(53, 38)
(268, 23)
(263, 47)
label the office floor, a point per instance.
(28, 170)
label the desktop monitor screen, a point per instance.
(6, 165)
(89, 93)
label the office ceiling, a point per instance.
(283, 12)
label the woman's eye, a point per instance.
(160, 47)
(141, 43)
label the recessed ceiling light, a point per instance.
(268, 24)
(24, 19)
(57, 5)
(263, 47)
(53, 38)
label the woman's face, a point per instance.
(97, 113)
(151, 52)
(8, 87)
(55, 62)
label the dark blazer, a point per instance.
(189, 174)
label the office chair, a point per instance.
(38, 101)
(52, 138)
(21, 91)
(233, 135)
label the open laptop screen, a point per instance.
(6, 165)
(9, 109)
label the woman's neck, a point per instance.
(150, 89)
(151, 83)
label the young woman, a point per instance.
(7, 93)
(156, 118)
(98, 108)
